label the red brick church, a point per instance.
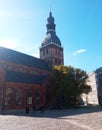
(23, 77)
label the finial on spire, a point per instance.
(50, 7)
(50, 10)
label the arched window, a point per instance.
(9, 96)
(29, 97)
(38, 97)
(55, 51)
(47, 51)
(18, 97)
(43, 52)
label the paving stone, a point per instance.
(70, 119)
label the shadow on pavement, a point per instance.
(54, 113)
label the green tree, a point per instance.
(67, 84)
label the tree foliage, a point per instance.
(68, 83)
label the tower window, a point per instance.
(43, 52)
(56, 51)
(59, 61)
(46, 51)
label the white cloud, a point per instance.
(79, 51)
(11, 43)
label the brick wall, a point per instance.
(24, 87)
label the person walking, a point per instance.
(27, 109)
(33, 108)
(42, 108)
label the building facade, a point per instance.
(92, 97)
(23, 77)
(51, 49)
(22, 80)
(98, 73)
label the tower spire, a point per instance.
(51, 49)
(50, 23)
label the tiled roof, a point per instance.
(18, 77)
(21, 58)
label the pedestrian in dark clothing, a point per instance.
(42, 108)
(27, 109)
(33, 108)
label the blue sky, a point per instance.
(78, 25)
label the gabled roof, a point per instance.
(21, 58)
(18, 77)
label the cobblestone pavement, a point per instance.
(71, 119)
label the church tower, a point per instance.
(51, 49)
